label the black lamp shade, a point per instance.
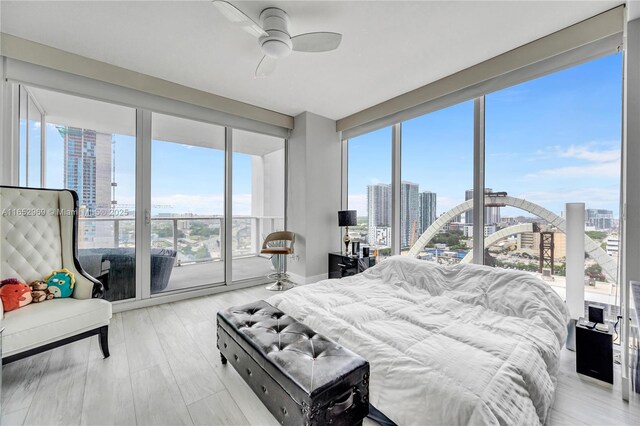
(347, 218)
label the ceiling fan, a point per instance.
(273, 35)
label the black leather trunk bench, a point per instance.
(302, 377)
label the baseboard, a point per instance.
(183, 294)
(300, 280)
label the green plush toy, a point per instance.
(61, 283)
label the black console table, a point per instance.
(342, 265)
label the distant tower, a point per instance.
(378, 211)
(409, 211)
(468, 215)
(87, 170)
(547, 246)
(491, 214)
(428, 205)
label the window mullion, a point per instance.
(396, 187)
(478, 180)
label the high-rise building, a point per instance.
(428, 204)
(87, 170)
(379, 213)
(491, 214)
(409, 213)
(417, 213)
(599, 219)
(468, 215)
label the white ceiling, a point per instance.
(388, 48)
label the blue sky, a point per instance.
(552, 140)
(189, 179)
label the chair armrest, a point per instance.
(86, 287)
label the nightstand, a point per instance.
(594, 351)
(341, 265)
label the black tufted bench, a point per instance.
(302, 377)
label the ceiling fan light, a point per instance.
(276, 48)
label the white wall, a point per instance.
(633, 9)
(314, 195)
(267, 184)
(274, 183)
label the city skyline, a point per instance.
(552, 140)
(563, 154)
(417, 212)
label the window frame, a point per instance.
(92, 90)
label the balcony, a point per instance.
(199, 258)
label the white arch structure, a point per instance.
(609, 267)
(501, 235)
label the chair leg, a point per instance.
(104, 341)
(282, 279)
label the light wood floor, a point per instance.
(165, 369)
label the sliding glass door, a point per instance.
(90, 149)
(187, 204)
(152, 191)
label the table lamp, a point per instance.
(347, 218)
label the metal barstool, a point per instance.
(280, 252)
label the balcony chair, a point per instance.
(116, 269)
(279, 245)
(43, 238)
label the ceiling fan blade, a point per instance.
(316, 42)
(266, 66)
(237, 17)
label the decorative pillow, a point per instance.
(40, 291)
(14, 293)
(61, 282)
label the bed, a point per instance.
(463, 344)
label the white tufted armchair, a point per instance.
(38, 234)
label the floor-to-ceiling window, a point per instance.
(93, 148)
(437, 176)
(258, 201)
(369, 190)
(551, 141)
(90, 148)
(187, 203)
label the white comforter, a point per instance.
(464, 344)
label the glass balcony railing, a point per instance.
(195, 239)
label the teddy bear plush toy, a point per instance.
(14, 293)
(40, 291)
